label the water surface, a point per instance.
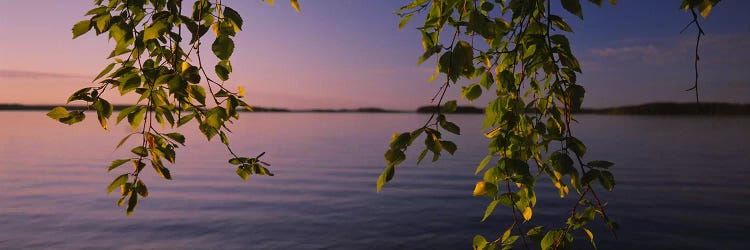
(681, 184)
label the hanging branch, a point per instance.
(697, 45)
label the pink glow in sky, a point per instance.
(347, 53)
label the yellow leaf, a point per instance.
(706, 9)
(270, 2)
(103, 121)
(241, 91)
(295, 4)
(185, 65)
(591, 235)
(479, 189)
(527, 213)
(492, 133)
(215, 28)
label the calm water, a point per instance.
(682, 183)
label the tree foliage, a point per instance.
(517, 49)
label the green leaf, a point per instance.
(185, 119)
(154, 31)
(550, 238)
(208, 131)
(576, 94)
(577, 146)
(117, 163)
(487, 80)
(57, 113)
(215, 117)
(132, 203)
(117, 182)
(560, 23)
(471, 92)
(104, 71)
(81, 28)
(489, 209)
(449, 146)
(600, 164)
(238, 161)
(223, 47)
(130, 84)
(232, 15)
(483, 164)
(71, 117)
(450, 127)
(573, 6)
(535, 234)
(386, 176)
(223, 138)
(199, 93)
(590, 176)
(450, 106)
(422, 155)
(122, 141)
(221, 72)
(401, 141)
(394, 156)
(141, 189)
(404, 21)
(432, 143)
(243, 173)
(136, 117)
(140, 151)
(509, 199)
(479, 242)
(179, 138)
(103, 107)
(125, 112)
(161, 170)
(483, 188)
(102, 22)
(607, 180)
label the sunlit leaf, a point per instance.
(386, 176)
(117, 163)
(295, 5)
(490, 208)
(527, 213)
(117, 182)
(81, 28)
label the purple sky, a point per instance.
(349, 53)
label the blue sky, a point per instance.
(349, 53)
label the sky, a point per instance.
(350, 53)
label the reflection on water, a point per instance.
(681, 184)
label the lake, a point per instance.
(682, 183)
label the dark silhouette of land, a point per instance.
(459, 110)
(358, 110)
(116, 107)
(665, 108)
(643, 109)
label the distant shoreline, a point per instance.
(658, 108)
